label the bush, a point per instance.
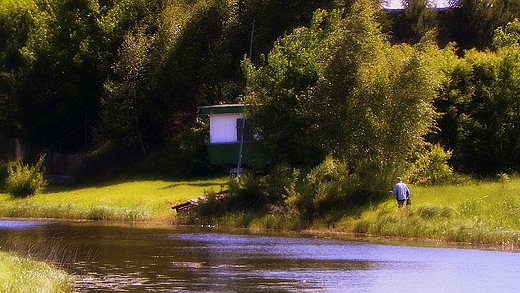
(246, 193)
(3, 174)
(24, 180)
(327, 188)
(432, 166)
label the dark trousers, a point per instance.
(400, 203)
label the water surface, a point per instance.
(155, 258)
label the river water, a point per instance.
(163, 258)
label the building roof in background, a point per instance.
(221, 109)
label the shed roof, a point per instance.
(221, 109)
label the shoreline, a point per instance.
(374, 238)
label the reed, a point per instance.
(22, 274)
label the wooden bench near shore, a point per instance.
(194, 202)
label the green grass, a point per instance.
(21, 274)
(128, 201)
(136, 200)
(485, 213)
(477, 212)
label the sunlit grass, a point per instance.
(135, 200)
(482, 212)
(487, 213)
(21, 274)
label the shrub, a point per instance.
(246, 193)
(327, 188)
(24, 180)
(3, 174)
(432, 166)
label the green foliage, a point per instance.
(418, 17)
(472, 22)
(3, 174)
(331, 89)
(432, 166)
(66, 55)
(508, 35)
(245, 194)
(327, 189)
(123, 106)
(284, 119)
(25, 180)
(480, 111)
(328, 80)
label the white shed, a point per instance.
(228, 140)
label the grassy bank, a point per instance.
(483, 212)
(477, 212)
(128, 201)
(21, 274)
(487, 213)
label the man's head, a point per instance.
(398, 179)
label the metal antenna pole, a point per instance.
(239, 165)
(242, 127)
(251, 41)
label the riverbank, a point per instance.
(22, 274)
(147, 200)
(127, 201)
(478, 212)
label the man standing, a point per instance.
(401, 192)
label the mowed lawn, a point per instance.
(152, 197)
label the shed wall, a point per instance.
(222, 128)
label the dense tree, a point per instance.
(13, 14)
(332, 88)
(281, 94)
(470, 23)
(328, 79)
(480, 105)
(412, 23)
(272, 18)
(124, 104)
(65, 54)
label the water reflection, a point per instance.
(20, 224)
(137, 258)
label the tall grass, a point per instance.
(73, 211)
(22, 274)
(477, 212)
(486, 213)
